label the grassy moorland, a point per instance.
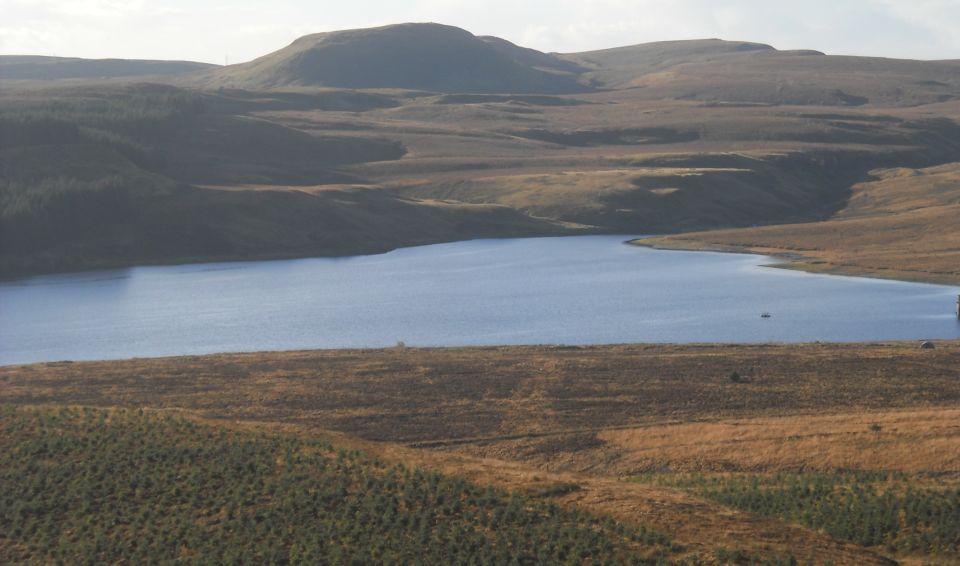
(720, 459)
(108, 176)
(366, 140)
(901, 225)
(326, 148)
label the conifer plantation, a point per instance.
(90, 486)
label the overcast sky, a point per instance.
(212, 30)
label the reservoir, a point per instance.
(568, 290)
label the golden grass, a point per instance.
(556, 194)
(908, 441)
(535, 417)
(902, 226)
(667, 509)
(460, 394)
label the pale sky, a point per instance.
(212, 30)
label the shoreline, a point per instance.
(24, 275)
(416, 351)
(791, 260)
(794, 261)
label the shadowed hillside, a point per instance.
(902, 224)
(413, 56)
(153, 174)
(532, 57)
(422, 133)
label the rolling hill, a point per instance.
(619, 65)
(360, 141)
(430, 57)
(743, 72)
(439, 58)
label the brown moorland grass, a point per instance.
(463, 394)
(543, 157)
(799, 128)
(903, 225)
(907, 441)
(700, 526)
(925, 441)
(541, 418)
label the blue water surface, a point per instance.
(568, 290)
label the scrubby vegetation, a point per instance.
(890, 510)
(553, 424)
(137, 111)
(78, 160)
(114, 175)
(95, 486)
(130, 120)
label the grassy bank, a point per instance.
(900, 225)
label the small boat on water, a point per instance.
(765, 315)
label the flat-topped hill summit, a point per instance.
(418, 56)
(441, 58)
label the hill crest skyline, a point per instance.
(489, 38)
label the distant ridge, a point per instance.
(431, 57)
(715, 70)
(38, 67)
(620, 67)
(419, 56)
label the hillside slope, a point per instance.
(438, 58)
(36, 67)
(465, 136)
(153, 174)
(903, 224)
(177, 488)
(618, 65)
(429, 57)
(652, 435)
(735, 71)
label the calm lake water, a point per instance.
(573, 290)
